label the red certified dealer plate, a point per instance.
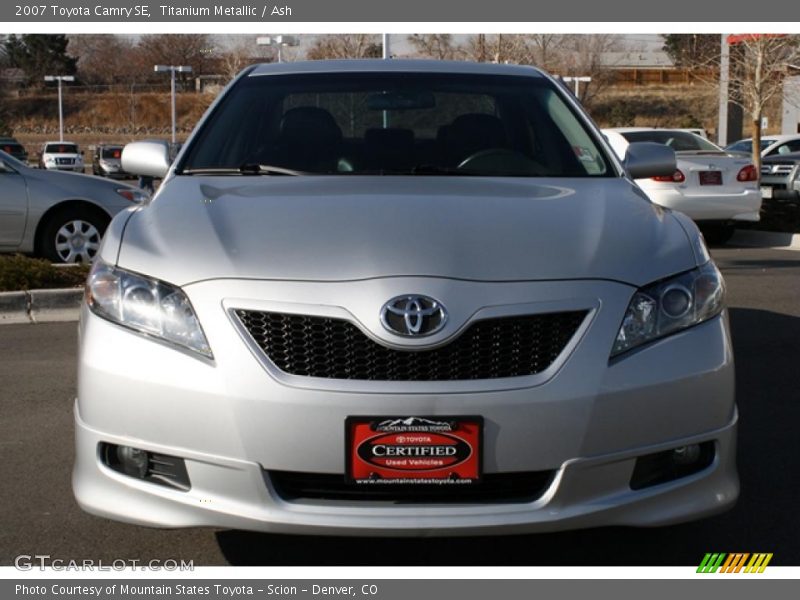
(710, 177)
(413, 450)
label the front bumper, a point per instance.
(233, 420)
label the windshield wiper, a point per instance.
(257, 169)
(246, 169)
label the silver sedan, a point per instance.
(403, 298)
(60, 216)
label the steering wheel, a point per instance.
(501, 160)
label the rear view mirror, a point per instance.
(149, 158)
(648, 159)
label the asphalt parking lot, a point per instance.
(39, 515)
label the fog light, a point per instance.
(133, 461)
(661, 467)
(686, 455)
(161, 469)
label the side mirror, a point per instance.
(648, 159)
(149, 158)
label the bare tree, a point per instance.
(241, 52)
(102, 58)
(345, 46)
(585, 55)
(546, 50)
(196, 50)
(436, 45)
(758, 67)
(761, 64)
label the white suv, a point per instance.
(61, 156)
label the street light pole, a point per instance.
(387, 51)
(577, 82)
(172, 69)
(279, 41)
(59, 79)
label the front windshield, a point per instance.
(61, 149)
(397, 123)
(114, 152)
(680, 141)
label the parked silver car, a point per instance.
(60, 216)
(403, 298)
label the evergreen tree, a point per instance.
(39, 55)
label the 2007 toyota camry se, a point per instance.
(403, 298)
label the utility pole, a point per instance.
(60, 79)
(724, 84)
(172, 69)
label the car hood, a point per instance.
(338, 228)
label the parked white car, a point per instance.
(61, 156)
(713, 187)
(771, 145)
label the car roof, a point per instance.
(59, 142)
(392, 66)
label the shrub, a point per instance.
(19, 272)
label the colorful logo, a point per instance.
(735, 562)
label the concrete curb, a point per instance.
(13, 308)
(55, 305)
(766, 239)
(40, 306)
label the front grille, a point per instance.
(65, 161)
(314, 346)
(494, 488)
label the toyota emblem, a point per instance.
(412, 315)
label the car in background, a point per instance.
(771, 145)
(61, 156)
(11, 146)
(780, 177)
(107, 161)
(60, 216)
(713, 187)
(390, 297)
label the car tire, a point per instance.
(717, 235)
(73, 235)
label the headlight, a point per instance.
(671, 305)
(133, 194)
(145, 305)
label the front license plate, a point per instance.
(766, 192)
(413, 450)
(710, 177)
